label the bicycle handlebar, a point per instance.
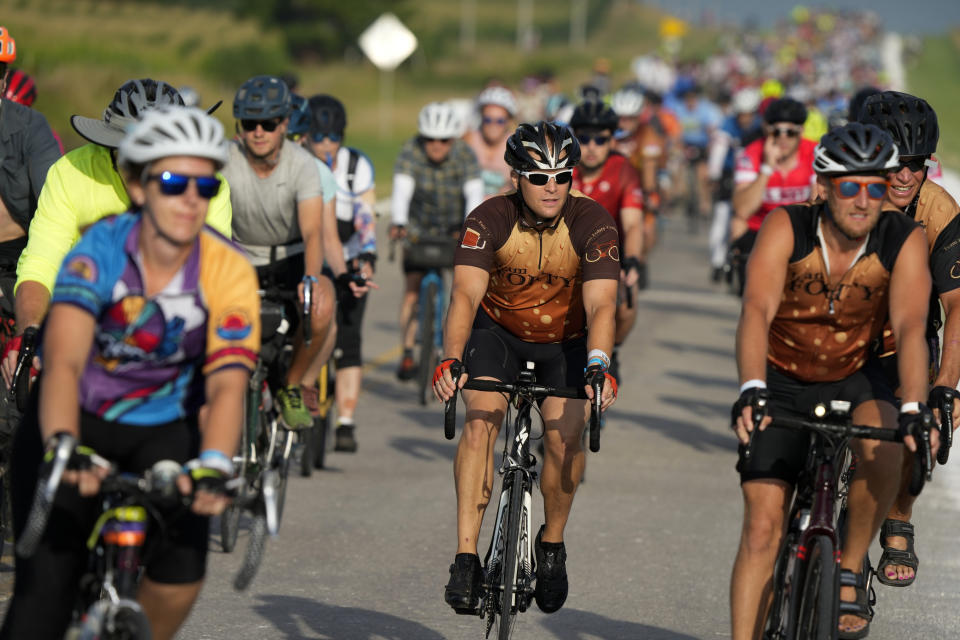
(20, 386)
(531, 390)
(946, 429)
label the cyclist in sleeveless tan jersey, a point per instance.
(542, 265)
(820, 281)
(913, 125)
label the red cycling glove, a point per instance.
(15, 344)
(443, 366)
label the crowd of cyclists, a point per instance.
(139, 256)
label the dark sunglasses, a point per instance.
(319, 137)
(599, 140)
(915, 163)
(175, 184)
(268, 125)
(789, 132)
(440, 140)
(850, 188)
(540, 178)
(500, 121)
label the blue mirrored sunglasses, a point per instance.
(175, 184)
(319, 137)
(847, 188)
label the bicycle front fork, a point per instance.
(495, 561)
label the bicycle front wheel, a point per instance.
(817, 617)
(427, 338)
(511, 554)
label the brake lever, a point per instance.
(946, 428)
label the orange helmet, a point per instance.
(8, 48)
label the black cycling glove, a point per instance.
(756, 397)
(910, 424)
(940, 397)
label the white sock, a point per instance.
(344, 422)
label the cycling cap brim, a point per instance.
(97, 131)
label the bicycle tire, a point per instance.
(307, 439)
(817, 613)
(283, 473)
(779, 615)
(321, 428)
(229, 528)
(427, 337)
(254, 554)
(511, 552)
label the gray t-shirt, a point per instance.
(265, 209)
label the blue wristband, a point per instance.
(213, 459)
(597, 361)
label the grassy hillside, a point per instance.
(81, 50)
(933, 77)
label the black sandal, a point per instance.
(862, 607)
(897, 557)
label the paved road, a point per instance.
(365, 546)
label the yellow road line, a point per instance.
(383, 358)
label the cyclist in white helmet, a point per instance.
(436, 183)
(171, 390)
(627, 103)
(497, 108)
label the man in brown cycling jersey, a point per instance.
(542, 265)
(820, 282)
(913, 125)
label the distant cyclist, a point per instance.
(277, 197)
(436, 183)
(152, 333)
(610, 179)
(771, 172)
(356, 231)
(627, 103)
(82, 187)
(553, 305)
(497, 108)
(698, 118)
(912, 123)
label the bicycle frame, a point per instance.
(430, 277)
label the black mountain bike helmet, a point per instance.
(327, 115)
(910, 121)
(594, 114)
(785, 110)
(855, 148)
(262, 98)
(552, 146)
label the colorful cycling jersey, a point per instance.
(697, 121)
(823, 330)
(150, 354)
(536, 276)
(82, 187)
(936, 211)
(782, 189)
(356, 225)
(617, 187)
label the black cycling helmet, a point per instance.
(910, 121)
(554, 147)
(594, 114)
(855, 148)
(785, 110)
(299, 116)
(856, 102)
(262, 98)
(327, 115)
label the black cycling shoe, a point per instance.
(466, 584)
(345, 440)
(551, 589)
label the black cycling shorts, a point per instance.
(782, 453)
(47, 584)
(494, 352)
(285, 274)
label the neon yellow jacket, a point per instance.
(81, 188)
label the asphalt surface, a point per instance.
(365, 545)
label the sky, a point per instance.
(934, 16)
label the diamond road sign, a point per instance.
(387, 42)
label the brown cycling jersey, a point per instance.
(936, 211)
(537, 275)
(823, 330)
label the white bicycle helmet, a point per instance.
(500, 97)
(627, 102)
(439, 120)
(746, 101)
(173, 131)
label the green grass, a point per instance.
(80, 51)
(933, 76)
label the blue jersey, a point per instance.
(150, 353)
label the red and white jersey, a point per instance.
(782, 189)
(617, 187)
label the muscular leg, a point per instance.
(473, 465)
(304, 356)
(408, 320)
(871, 494)
(167, 605)
(326, 350)
(902, 510)
(765, 504)
(626, 317)
(563, 461)
(348, 391)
